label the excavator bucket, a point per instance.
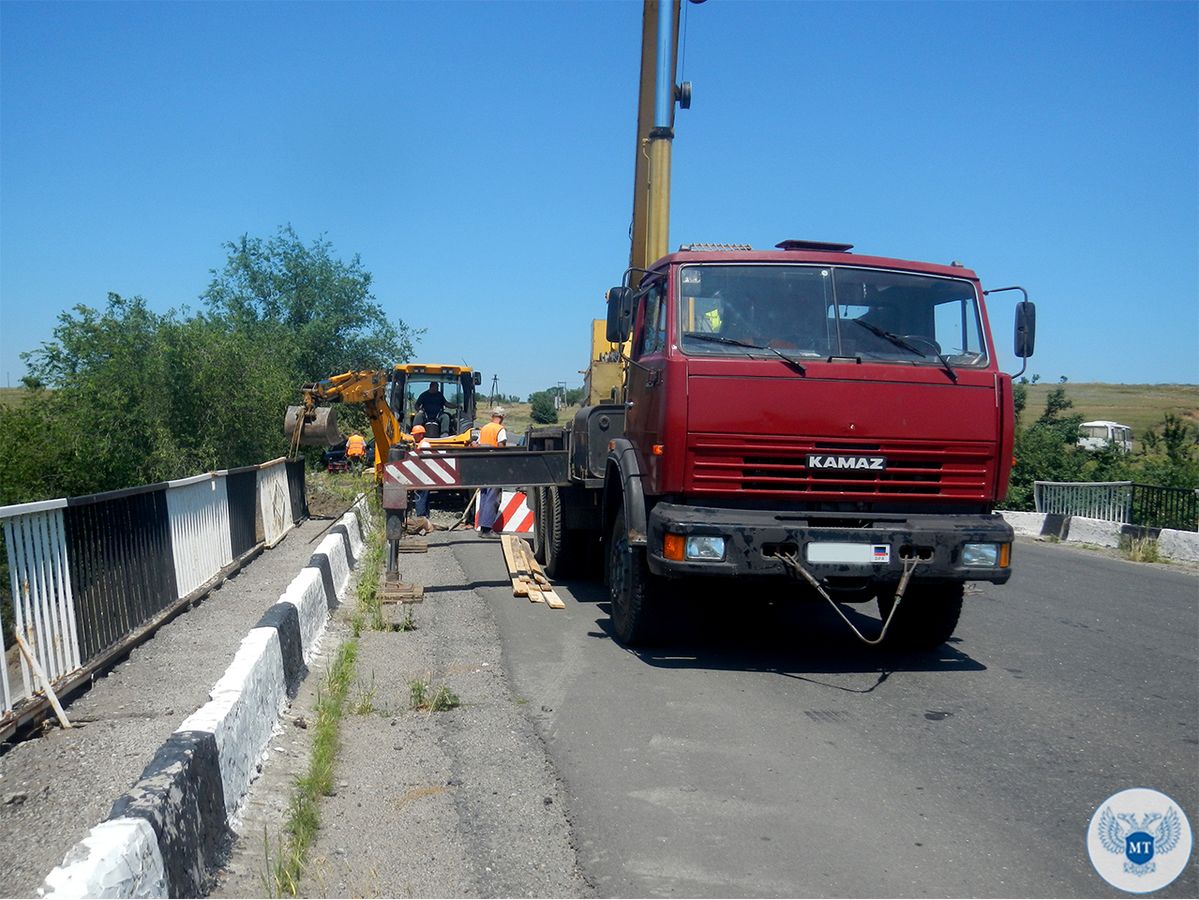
(318, 428)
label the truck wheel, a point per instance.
(540, 511)
(561, 546)
(635, 608)
(926, 618)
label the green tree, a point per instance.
(315, 309)
(125, 396)
(1045, 451)
(543, 411)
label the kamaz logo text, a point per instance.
(821, 461)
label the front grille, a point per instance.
(720, 464)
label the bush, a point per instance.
(543, 411)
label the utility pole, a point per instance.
(495, 380)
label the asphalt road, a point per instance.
(767, 753)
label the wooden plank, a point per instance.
(519, 587)
(539, 584)
(509, 553)
(37, 670)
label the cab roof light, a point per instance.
(712, 248)
(814, 245)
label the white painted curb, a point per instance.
(1029, 524)
(334, 549)
(307, 594)
(118, 858)
(350, 521)
(1183, 545)
(1100, 532)
(241, 715)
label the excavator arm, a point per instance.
(311, 424)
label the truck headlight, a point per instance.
(705, 548)
(980, 556)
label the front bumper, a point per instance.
(753, 538)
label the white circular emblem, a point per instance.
(1139, 840)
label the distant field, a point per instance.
(12, 396)
(1139, 405)
(520, 416)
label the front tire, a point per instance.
(636, 608)
(926, 618)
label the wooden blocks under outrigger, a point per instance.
(528, 578)
(400, 592)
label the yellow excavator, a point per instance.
(390, 398)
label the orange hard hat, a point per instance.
(418, 429)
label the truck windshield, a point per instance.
(815, 312)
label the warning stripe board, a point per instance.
(515, 516)
(418, 471)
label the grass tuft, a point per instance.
(424, 697)
(1141, 550)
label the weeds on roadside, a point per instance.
(367, 614)
(423, 697)
(407, 623)
(1143, 549)
(364, 702)
(303, 812)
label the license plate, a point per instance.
(849, 553)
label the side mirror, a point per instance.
(620, 306)
(478, 378)
(1026, 328)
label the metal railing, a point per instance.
(85, 573)
(1107, 500)
(1145, 505)
(1165, 507)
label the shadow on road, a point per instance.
(793, 638)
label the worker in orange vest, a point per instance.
(356, 450)
(355, 445)
(493, 434)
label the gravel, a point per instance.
(457, 803)
(55, 788)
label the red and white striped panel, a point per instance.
(422, 471)
(515, 516)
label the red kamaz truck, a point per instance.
(801, 411)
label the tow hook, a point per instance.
(796, 570)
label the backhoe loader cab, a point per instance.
(455, 383)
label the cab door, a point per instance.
(646, 382)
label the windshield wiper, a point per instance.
(888, 336)
(718, 339)
(907, 345)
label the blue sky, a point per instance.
(479, 159)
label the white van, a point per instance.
(1095, 435)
